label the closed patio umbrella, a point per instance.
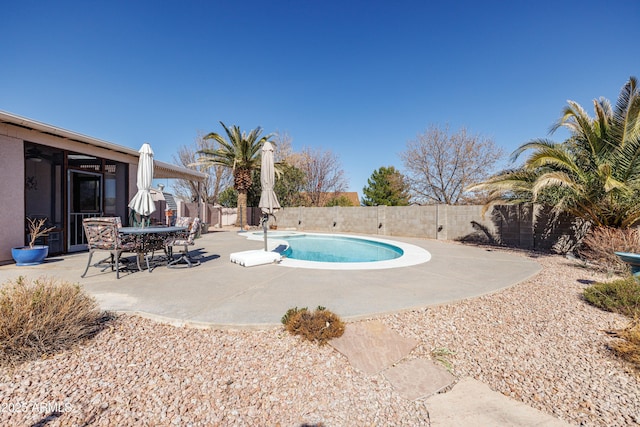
(142, 203)
(268, 200)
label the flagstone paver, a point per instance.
(472, 403)
(371, 346)
(418, 378)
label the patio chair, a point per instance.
(184, 240)
(102, 235)
(183, 221)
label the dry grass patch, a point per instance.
(319, 325)
(43, 317)
(600, 243)
(628, 347)
(621, 296)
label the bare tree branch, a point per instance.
(324, 176)
(219, 177)
(284, 149)
(440, 164)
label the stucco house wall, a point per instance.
(16, 130)
(12, 193)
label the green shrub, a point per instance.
(619, 296)
(43, 317)
(318, 326)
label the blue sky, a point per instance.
(359, 78)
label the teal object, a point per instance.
(137, 220)
(633, 260)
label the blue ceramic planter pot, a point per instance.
(29, 256)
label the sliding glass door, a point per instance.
(85, 200)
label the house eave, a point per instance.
(164, 170)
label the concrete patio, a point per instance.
(222, 294)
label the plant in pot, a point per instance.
(274, 226)
(33, 254)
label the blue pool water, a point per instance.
(327, 248)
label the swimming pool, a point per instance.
(328, 248)
(341, 252)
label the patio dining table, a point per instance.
(150, 239)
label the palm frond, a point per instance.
(534, 144)
(631, 219)
(602, 123)
(556, 155)
(611, 184)
(555, 179)
(627, 112)
(579, 124)
(514, 178)
(594, 173)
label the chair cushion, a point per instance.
(183, 221)
(102, 233)
(181, 242)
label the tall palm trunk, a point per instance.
(242, 183)
(242, 208)
(240, 153)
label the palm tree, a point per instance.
(241, 153)
(594, 174)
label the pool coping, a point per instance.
(411, 254)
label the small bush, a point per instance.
(318, 326)
(291, 312)
(44, 317)
(628, 348)
(619, 296)
(600, 243)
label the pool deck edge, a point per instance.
(223, 295)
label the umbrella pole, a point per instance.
(265, 219)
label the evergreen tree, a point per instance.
(387, 187)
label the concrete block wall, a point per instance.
(560, 232)
(431, 222)
(522, 226)
(316, 218)
(514, 225)
(455, 222)
(288, 218)
(363, 220)
(419, 221)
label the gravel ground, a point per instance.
(537, 342)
